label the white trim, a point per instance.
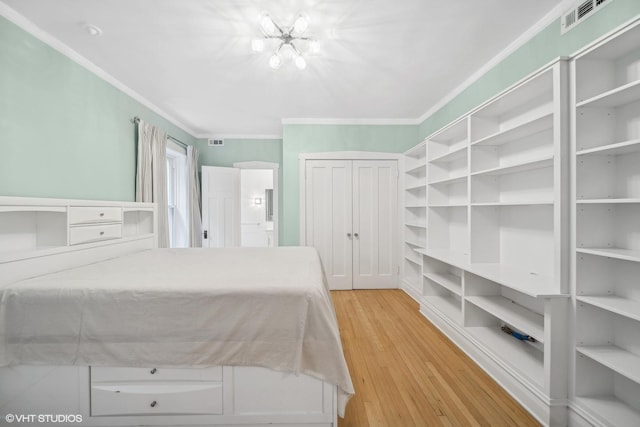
(275, 167)
(31, 28)
(238, 136)
(335, 155)
(546, 20)
(336, 121)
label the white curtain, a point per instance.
(151, 175)
(195, 219)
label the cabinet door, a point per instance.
(375, 194)
(328, 208)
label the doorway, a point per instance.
(256, 208)
(240, 205)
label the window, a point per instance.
(177, 196)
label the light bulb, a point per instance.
(257, 45)
(275, 61)
(267, 24)
(300, 62)
(314, 47)
(301, 24)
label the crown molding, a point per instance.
(37, 32)
(238, 136)
(330, 121)
(546, 20)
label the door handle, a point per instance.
(356, 235)
(349, 235)
(205, 234)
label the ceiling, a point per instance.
(380, 60)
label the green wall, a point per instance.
(543, 48)
(64, 132)
(299, 139)
(245, 150)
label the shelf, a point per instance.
(417, 152)
(622, 306)
(416, 169)
(449, 307)
(614, 98)
(452, 180)
(448, 205)
(452, 155)
(523, 130)
(415, 206)
(519, 167)
(524, 203)
(617, 253)
(608, 201)
(621, 361)
(610, 410)
(522, 281)
(448, 281)
(416, 187)
(412, 261)
(415, 225)
(625, 147)
(417, 245)
(523, 357)
(526, 321)
(457, 259)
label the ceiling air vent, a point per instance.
(580, 11)
(216, 142)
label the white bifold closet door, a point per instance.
(350, 209)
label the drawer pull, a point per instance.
(153, 371)
(153, 404)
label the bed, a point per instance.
(119, 333)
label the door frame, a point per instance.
(275, 168)
(349, 155)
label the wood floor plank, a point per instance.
(407, 373)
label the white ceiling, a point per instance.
(380, 59)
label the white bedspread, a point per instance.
(180, 307)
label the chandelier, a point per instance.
(285, 38)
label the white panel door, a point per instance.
(220, 207)
(328, 219)
(375, 193)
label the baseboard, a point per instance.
(411, 291)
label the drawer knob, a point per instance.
(101, 213)
(153, 371)
(102, 233)
(153, 404)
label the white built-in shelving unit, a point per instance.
(606, 213)
(497, 208)
(415, 223)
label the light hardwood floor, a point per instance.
(407, 373)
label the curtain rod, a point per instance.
(136, 120)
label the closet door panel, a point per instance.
(374, 224)
(328, 218)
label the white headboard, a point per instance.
(40, 236)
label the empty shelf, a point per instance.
(623, 306)
(610, 410)
(619, 360)
(448, 281)
(614, 98)
(618, 253)
(625, 147)
(449, 307)
(519, 167)
(523, 130)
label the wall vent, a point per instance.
(580, 11)
(216, 142)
